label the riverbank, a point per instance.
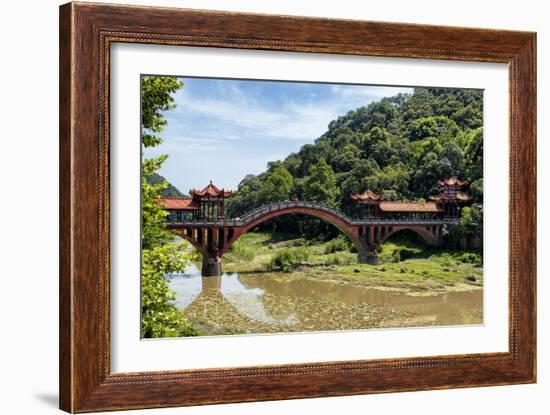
(404, 267)
(280, 283)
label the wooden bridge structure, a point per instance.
(201, 221)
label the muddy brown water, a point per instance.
(284, 302)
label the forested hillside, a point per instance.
(169, 190)
(398, 146)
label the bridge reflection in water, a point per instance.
(212, 297)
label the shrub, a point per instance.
(159, 316)
(287, 259)
(240, 252)
(187, 329)
(402, 254)
(338, 244)
(299, 242)
(470, 258)
(396, 256)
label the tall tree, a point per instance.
(156, 98)
(159, 317)
(320, 186)
(277, 184)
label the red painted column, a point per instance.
(214, 244)
(221, 238)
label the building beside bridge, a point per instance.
(207, 203)
(446, 204)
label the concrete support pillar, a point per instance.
(367, 257)
(438, 240)
(372, 258)
(211, 266)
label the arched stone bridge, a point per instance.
(214, 237)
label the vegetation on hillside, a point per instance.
(398, 146)
(168, 189)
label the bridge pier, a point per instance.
(211, 266)
(367, 257)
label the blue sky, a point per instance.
(222, 130)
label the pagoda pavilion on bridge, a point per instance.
(205, 204)
(208, 204)
(444, 205)
(452, 196)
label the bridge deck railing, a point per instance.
(276, 206)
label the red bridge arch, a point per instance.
(214, 238)
(327, 216)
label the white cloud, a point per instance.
(372, 92)
(234, 113)
(237, 130)
(242, 115)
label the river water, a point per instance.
(258, 303)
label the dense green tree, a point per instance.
(159, 316)
(382, 114)
(277, 185)
(153, 216)
(246, 197)
(476, 190)
(293, 164)
(310, 154)
(471, 222)
(156, 97)
(346, 159)
(392, 181)
(439, 127)
(473, 154)
(419, 105)
(320, 186)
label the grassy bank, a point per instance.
(405, 265)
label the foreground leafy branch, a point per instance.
(160, 255)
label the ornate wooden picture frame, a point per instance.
(87, 32)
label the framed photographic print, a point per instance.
(260, 207)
